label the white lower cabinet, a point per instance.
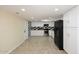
(37, 33)
(67, 40)
(70, 40)
(50, 33)
(77, 40)
(73, 40)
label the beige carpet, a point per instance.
(38, 45)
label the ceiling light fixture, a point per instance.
(56, 9)
(45, 20)
(23, 10)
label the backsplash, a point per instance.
(42, 28)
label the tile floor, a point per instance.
(38, 45)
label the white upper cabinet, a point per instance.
(66, 20)
(77, 15)
(71, 18)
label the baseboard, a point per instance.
(3, 52)
(16, 47)
(65, 51)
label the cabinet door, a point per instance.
(37, 32)
(70, 40)
(70, 18)
(73, 17)
(66, 19)
(77, 14)
(73, 40)
(67, 40)
(77, 34)
(50, 33)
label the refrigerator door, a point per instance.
(58, 31)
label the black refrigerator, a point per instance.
(58, 34)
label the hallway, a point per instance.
(38, 45)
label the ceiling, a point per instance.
(38, 12)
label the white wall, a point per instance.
(40, 32)
(71, 30)
(11, 31)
